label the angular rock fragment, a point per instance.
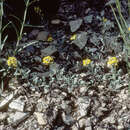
(6, 101)
(75, 24)
(81, 40)
(48, 51)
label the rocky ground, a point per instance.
(66, 95)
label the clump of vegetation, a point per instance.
(124, 31)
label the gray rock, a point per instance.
(74, 127)
(4, 103)
(120, 127)
(39, 116)
(48, 51)
(17, 105)
(99, 128)
(85, 122)
(88, 19)
(42, 36)
(61, 128)
(55, 21)
(110, 119)
(83, 104)
(16, 118)
(3, 116)
(88, 128)
(75, 25)
(54, 68)
(80, 40)
(68, 120)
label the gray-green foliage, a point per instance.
(125, 33)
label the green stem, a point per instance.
(22, 26)
(1, 15)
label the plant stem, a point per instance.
(22, 26)
(1, 15)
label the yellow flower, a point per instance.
(104, 20)
(37, 10)
(47, 60)
(86, 62)
(129, 29)
(112, 61)
(73, 37)
(12, 62)
(50, 39)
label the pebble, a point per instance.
(42, 36)
(40, 119)
(3, 116)
(55, 21)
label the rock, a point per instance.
(42, 36)
(101, 87)
(120, 127)
(80, 40)
(88, 128)
(88, 19)
(83, 75)
(40, 119)
(17, 117)
(83, 104)
(75, 25)
(39, 107)
(99, 128)
(17, 105)
(54, 68)
(48, 51)
(109, 119)
(3, 116)
(67, 119)
(85, 122)
(74, 127)
(83, 89)
(55, 21)
(61, 128)
(6, 101)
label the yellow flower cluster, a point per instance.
(86, 62)
(38, 10)
(50, 39)
(112, 61)
(73, 37)
(12, 62)
(104, 19)
(47, 60)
